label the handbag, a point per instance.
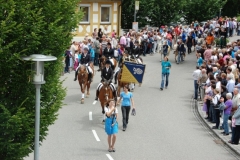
(221, 106)
(133, 112)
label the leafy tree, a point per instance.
(151, 12)
(202, 10)
(231, 8)
(31, 27)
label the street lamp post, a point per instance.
(38, 79)
(135, 24)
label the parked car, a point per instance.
(203, 23)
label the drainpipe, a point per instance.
(119, 17)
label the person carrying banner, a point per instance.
(107, 75)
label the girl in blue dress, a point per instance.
(111, 124)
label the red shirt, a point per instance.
(169, 36)
(177, 31)
(221, 62)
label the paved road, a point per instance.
(164, 127)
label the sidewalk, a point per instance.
(225, 139)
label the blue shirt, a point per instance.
(165, 65)
(126, 98)
(79, 57)
(92, 52)
(200, 61)
(193, 35)
(183, 37)
(230, 86)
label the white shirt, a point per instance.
(73, 49)
(114, 43)
(105, 32)
(208, 81)
(227, 24)
(196, 74)
(214, 59)
(236, 100)
(106, 109)
(164, 34)
(233, 66)
(235, 24)
(232, 75)
(216, 98)
(128, 42)
(208, 89)
(76, 57)
(218, 85)
(145, 36)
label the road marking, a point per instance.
(94, 102)
(90, 116)
(95, 135)
(109, 157)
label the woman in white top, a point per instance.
(214, 57)
(215, 99)
(218, 82)
(111, 124)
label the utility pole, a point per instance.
(135, 24)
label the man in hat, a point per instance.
(107, 75)
(109, 53)
(85, 60)
(136, 48)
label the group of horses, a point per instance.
(105, 92)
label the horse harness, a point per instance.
(83, 74)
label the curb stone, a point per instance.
(224, 139)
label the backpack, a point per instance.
(97, 46)
(151, 40)
(215, 106)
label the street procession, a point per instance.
(120, 80)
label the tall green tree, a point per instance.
(31, 27)
(231, 8)
(202, 10)
(151, 12)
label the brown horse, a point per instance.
(105, 94)
(103, 60)
(83, 81)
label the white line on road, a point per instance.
(94, 102)
(95, 135)
(109, 157)
(90, 116)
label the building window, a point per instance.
(105, 14)
(86, 10)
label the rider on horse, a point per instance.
(85, 60)
(109, 54)
(107, 74)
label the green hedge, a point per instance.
(218, 42)
(31, 27)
